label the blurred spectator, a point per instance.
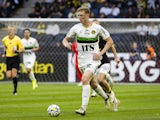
(105, 10)
(149, 12)
(44, 13)
(130, 3)
(115, 11)
(141, 12)
(142, 29)
(52, 29)
(151, 4)
(37, 7)
(34, 14)
(55, 11)
(86, 3)
(72, 13)
(9, 7)
(130, 13)
(41, 28)
(150, 52)
(153, 29)
(141, 3)
(134, 53)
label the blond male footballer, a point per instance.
(86, 33)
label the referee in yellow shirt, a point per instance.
(12, 47)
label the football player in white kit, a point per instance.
(31, 46)
(89, 55)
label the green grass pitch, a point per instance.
(138, 102)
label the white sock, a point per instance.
(85, 95)
(101, 92)
(94, 92)
(31, 76)
(109, 77)
(112, 97)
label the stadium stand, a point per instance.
(9, 7)
(127, 8)
(62, 8)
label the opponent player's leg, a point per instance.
(103, 77)
(93, 94)
(98, 89)
(112, 95)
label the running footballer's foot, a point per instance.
(14, 92)
(94, 94)
(116, 104)
(81, 111)
(34, 84)
(107, 104)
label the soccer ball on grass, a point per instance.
(53, 110)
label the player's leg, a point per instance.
(15, 68)
(32, 78)
(102, 81)
(103, 77)
(98, 89)
(112, 95)
(94, 94)
(86, 77)
(29, 63)
(15, 80)
(12, 68)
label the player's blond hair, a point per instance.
(84, 8)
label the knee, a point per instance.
(9, 76)
(28, 71)
(101, 78)
(93, 85)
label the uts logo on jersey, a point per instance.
(93, 31)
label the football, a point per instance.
(54, 110)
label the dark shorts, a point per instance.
(13, 62)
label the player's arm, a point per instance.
(36, 48)
(115, 54)
(4, 49)
(107, 46)
(71, 33)
(20, 47)
(4, 52)
(66, 43)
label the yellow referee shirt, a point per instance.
(10, 44)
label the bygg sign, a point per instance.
(138, 71)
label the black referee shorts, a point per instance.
(13, 62)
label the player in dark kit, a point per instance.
(103, 75)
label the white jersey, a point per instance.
(87, 41)
(29, 45)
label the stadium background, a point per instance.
(53, 60)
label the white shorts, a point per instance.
(29, 62)
(91, 67)
(105, 68)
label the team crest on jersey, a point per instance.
(93, 31)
